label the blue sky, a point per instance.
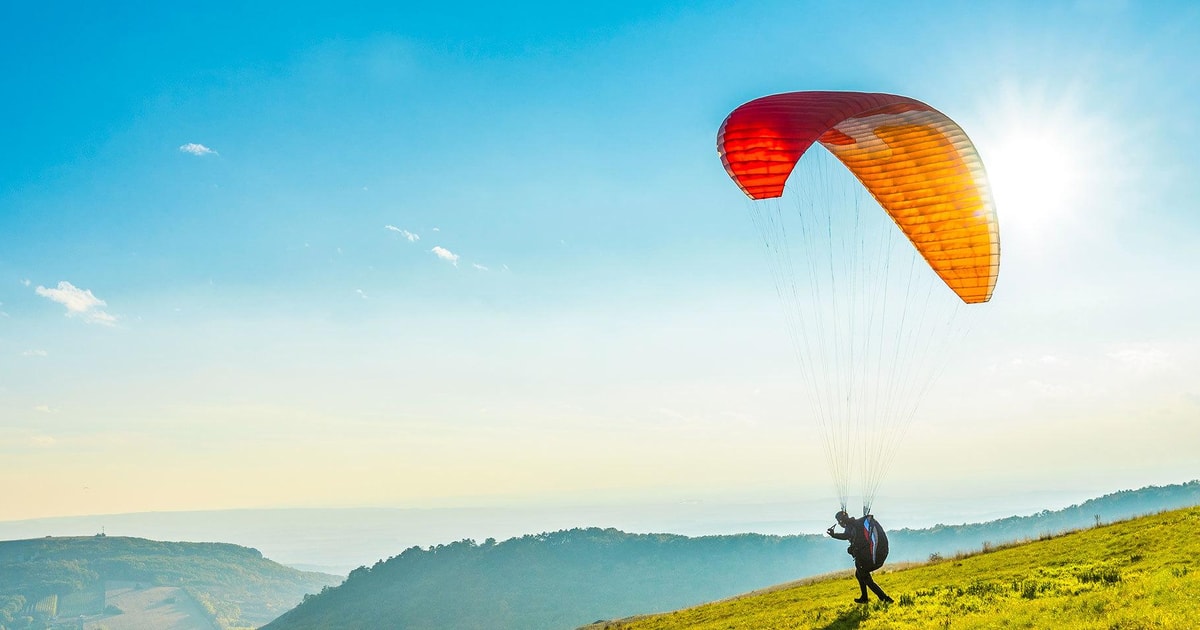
(608, 330)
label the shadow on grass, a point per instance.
(849, 619)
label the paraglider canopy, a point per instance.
(918, 164)
(871, 326)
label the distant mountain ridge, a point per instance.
(1110, 507)
(235, 586)
(569, 578)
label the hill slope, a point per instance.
(1142, 573)
(568, 578)
(45, 577)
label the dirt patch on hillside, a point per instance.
(152, 608)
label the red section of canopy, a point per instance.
(761, 141)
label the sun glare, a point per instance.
(1034, 177)
(1048, 156)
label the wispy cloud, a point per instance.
(43, 441)
(25, 282)
(35, 353)
(445, 254)
(361, 293)
(412, 238)
(1141, 357)
(678, 416)
(197, 149)
(741, 418)
(479, 267)
(1053, 389)
(79, 302)
(44, 409)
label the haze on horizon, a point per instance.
(257, 257)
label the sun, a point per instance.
(1046, 155)
(1035, 176)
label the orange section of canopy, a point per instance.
(916, 162)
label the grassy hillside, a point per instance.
(565, 579)
(65, 577)
(1143, 573)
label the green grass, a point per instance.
(1138, 574)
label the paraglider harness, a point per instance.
(868, 542)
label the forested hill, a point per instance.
(569, 578)
(66, 576)
(553, 580)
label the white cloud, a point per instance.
(678, 416)
(361, 293)
(1141, 357)
(75, 299)
(1053, 390)
(25, 282)
(100, 317)
(35, 353)
(445, 254)
(44, 409)
(744, 419)
(412, 238)
(479, 267)
(197, 149)
(79, 302)
(42, 440)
